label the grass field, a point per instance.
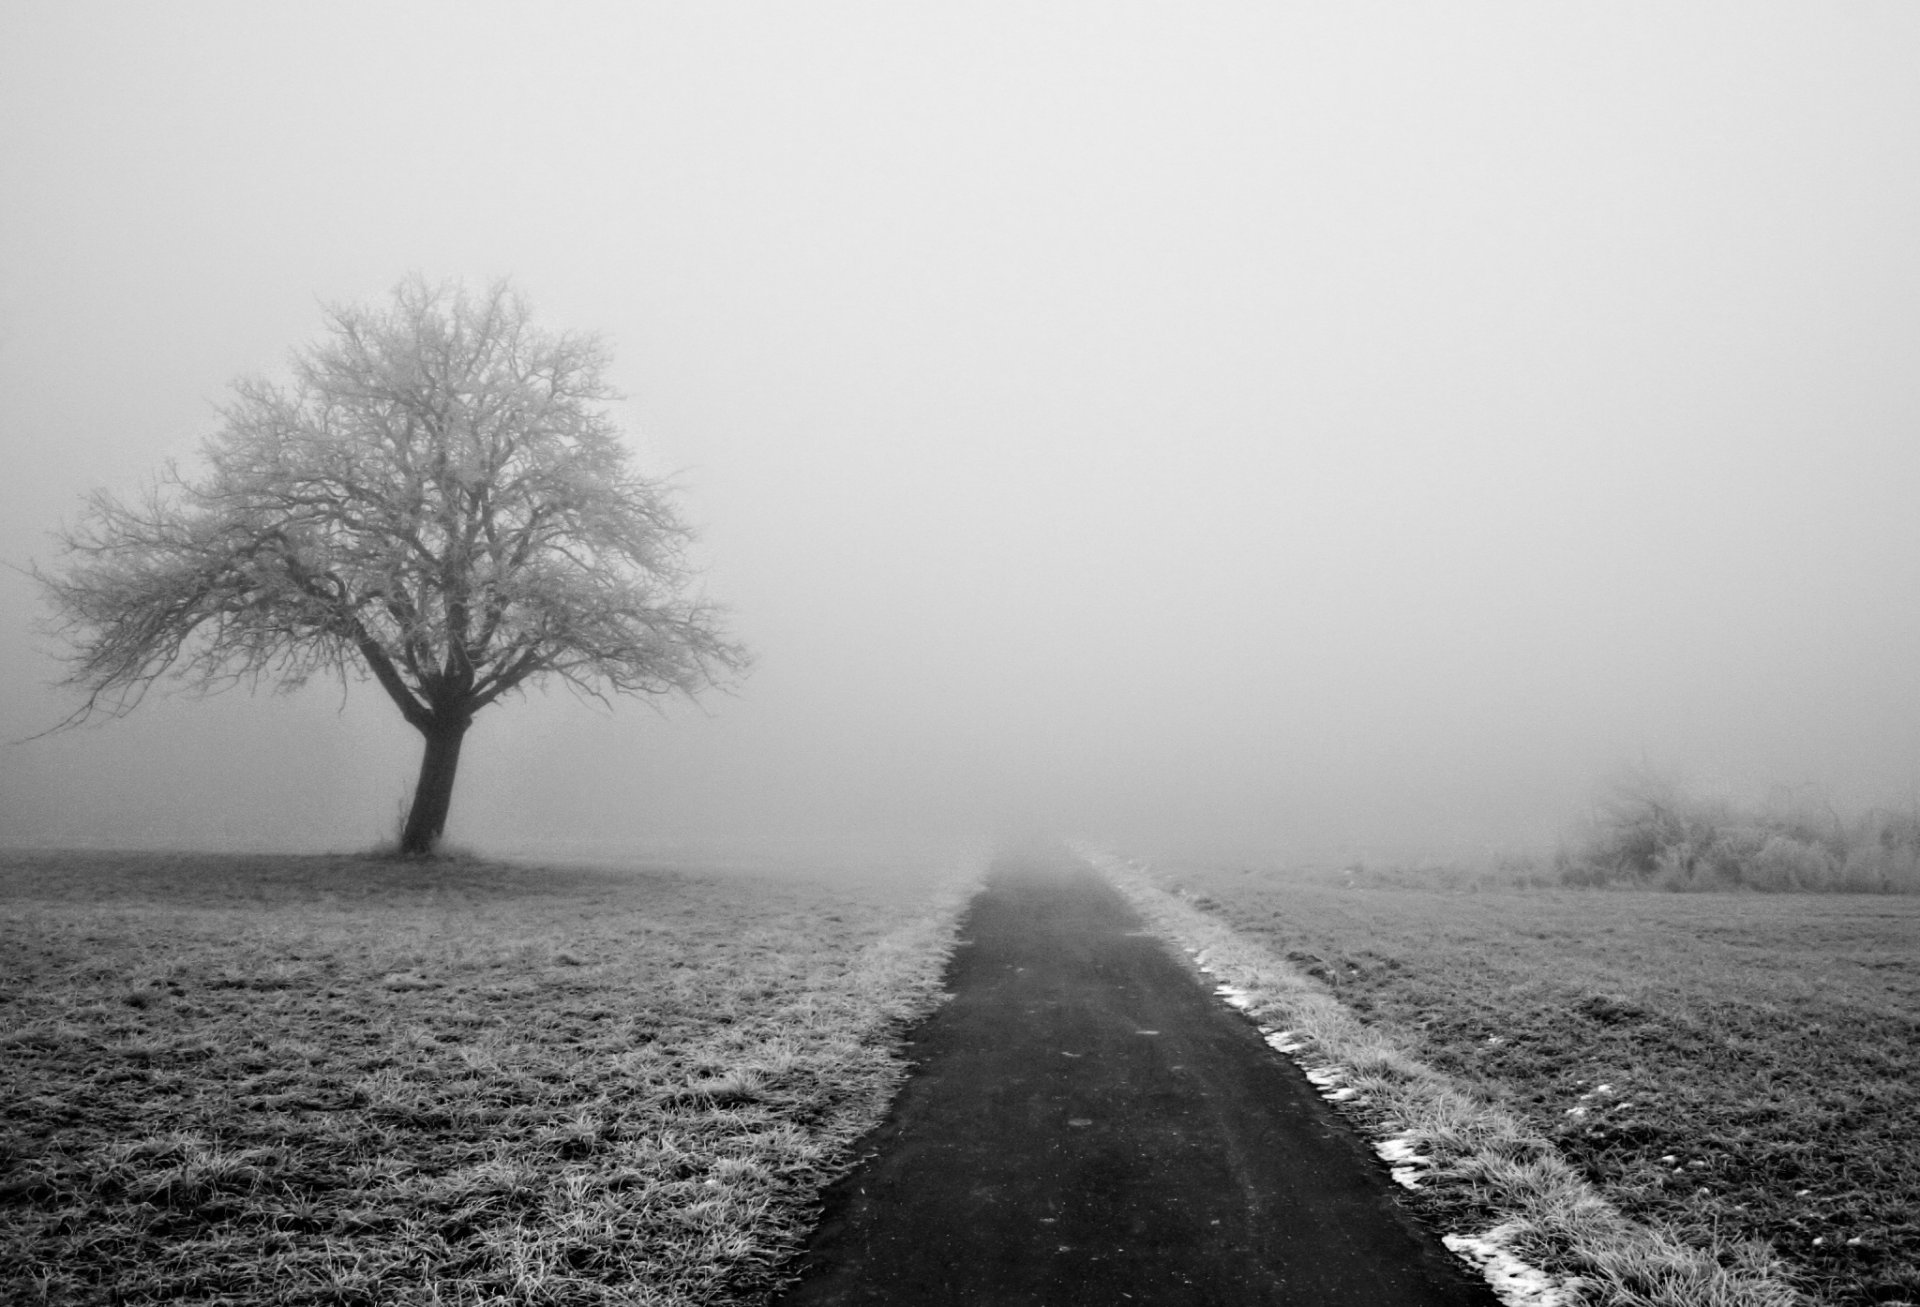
(337, 1080)
(1731, 1068)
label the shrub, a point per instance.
(1785, 862)
(1652, 833)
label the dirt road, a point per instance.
(1086, 1123)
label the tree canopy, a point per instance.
(438, 500)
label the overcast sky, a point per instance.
(1314, 430)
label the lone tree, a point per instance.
(438, 499)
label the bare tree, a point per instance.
(438, 500)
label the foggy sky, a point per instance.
(1321, 430)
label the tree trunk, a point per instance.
(427, 819)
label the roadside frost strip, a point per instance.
(1514, 1282)
(1434, 1132)
(908, 961)
(1404, 1164)
(1284, 1041)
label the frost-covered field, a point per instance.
(332, 1080)
(1732, 1069)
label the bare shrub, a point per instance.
(1787, 863)
(1651, 832)
(1884, 853)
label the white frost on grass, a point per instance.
(1514, 1282)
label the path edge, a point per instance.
(1436, 1134)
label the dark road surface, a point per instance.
(1086, 1123)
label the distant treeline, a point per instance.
(1653, 834)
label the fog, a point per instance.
(1279, 430)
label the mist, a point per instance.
(1261, 430)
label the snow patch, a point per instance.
(1406, 1165)
(1284, 1041)
(1401, 1148)
(1514, 1282)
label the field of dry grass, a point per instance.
(1736, 1069)
(337, 1080)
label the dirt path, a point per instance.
(1088, 1124)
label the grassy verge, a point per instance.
(332, 1080)
(1675, 1100)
